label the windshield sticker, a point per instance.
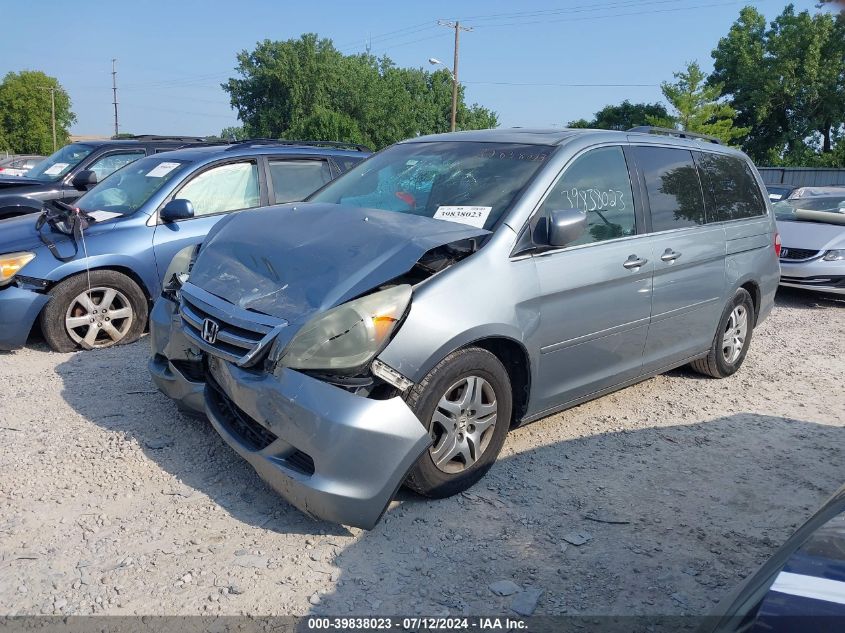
(474, 216)
(162, 169)
(102, 216)
(55, 169)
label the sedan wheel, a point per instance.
(99, 318)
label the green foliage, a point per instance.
(25, 114)
(623, 116)
(306, 89)
(697, 106)
(231, 133)
(787, 84)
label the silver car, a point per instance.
(812, 231)
(392, 329)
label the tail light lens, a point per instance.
(777, 244)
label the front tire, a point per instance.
(112, 312)
(465, 402)
(733, 337)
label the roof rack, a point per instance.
(280, 141)
(649, 129)
(156, 137)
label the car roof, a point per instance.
(209, 152)
(561, 136)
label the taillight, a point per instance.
(777, 244)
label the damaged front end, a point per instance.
(285, 366)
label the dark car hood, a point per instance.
(19, 185)
(294, 260)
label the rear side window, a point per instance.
(345, 163)
(730, 189)
(673, 187)
(294, 180)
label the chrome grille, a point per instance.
(797, 254)
(238, 335)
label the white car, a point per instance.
(18, 165)
(812, 233)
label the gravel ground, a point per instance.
(654, 500)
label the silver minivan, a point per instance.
(395, 326)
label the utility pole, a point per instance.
(52, 112)
(114, 90)
(458, 28)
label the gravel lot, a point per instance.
(678, 487)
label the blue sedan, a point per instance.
(89, 273)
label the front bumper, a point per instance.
(815, 274)
(18, 310)
(332, 454)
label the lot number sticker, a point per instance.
(474, 216)
(162, 169)
(55, 169)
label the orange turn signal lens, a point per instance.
(11, 264)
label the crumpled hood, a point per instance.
(291, 261)
(815, 236)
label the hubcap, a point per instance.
(99, 317)
(462, 424)
(733, 339)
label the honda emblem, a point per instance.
(210, 328)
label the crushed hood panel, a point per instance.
(292, 261)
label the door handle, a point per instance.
(669, 255)
(634, 262)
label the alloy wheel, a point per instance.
(99, 317)
(733, 339)
(462, 424)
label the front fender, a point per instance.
(144, 270)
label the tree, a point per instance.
(697, 106)
(232, 133)
(306, 89)
(25, 113)
(623, 116)
(787, 83)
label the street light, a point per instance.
(436, 62)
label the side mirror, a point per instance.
(84, 180)
(566, 226)
(177, 209)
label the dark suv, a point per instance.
(75, 168)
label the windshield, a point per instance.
(124, 191)
(60, 163)
(828, 209)
(468, 182)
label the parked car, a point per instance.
(93, 289)
(800, 588)
(396, 325)
(780, 192)
(75, 168)
(18, 165)
(812, 231)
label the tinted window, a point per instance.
(730, 188)
(296, 179)
(345, 163)
(228, 187)
(673, 187)
(110, 163)
(598, 184)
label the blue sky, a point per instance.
(173, 55)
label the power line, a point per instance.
(114, 91)
(573, 9)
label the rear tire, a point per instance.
(732, 339)
(465, 402)
(116, 314)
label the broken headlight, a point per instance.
(349, 335)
